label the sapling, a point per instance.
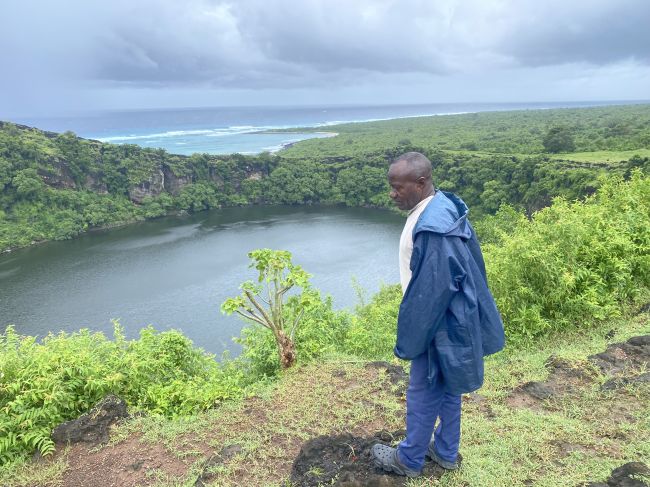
(263, 302)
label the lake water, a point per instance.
(176, 272)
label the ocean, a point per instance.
(243, 129)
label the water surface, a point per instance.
(224, 130)
(176, 271)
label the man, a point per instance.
(448, 320)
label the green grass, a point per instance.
(579, 437)
(602, 156)
(26, 473)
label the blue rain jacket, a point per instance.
(447, 310)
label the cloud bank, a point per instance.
(67, 47)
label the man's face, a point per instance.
(406, 189)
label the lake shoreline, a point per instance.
(183, 213)
(175, 272)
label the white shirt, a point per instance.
(406, 242)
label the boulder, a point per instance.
(619, 357)
(92, 427)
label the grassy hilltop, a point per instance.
(578, 433)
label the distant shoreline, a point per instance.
(325, 134)
(253, 130)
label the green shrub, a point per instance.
(44, 384)
(574, 263)
(373, 328)
(494, 229)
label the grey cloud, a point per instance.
(253, 44)
(597, 32)
(259, 44)
(366, 35)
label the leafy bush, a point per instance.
(263, 303)
(494, 229)
(373, 328)
(574, 263)
(44, 384)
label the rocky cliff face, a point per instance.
(67, 162)
(149, 188)
(57, 174)
(172, 183)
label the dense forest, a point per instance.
(55, 186)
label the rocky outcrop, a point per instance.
(94, 183)
(173, 184)
(624, 363)
(57, 175)
(149, 188)
(618, 357)
(92, 427)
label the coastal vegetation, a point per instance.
(56, 186)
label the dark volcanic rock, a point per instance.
(92, 427)
(563, 378)
(633, 474)
(345, 461)
(620, 360)
(620, 356)
(538, 390)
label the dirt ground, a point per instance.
(345, 461)
(304, 457)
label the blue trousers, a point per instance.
(426, 402)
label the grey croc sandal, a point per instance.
(431, 453)
(386, 458)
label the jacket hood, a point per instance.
(446, 214)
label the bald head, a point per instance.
(415, 163)
(409, 177)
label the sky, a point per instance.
(82, 55)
